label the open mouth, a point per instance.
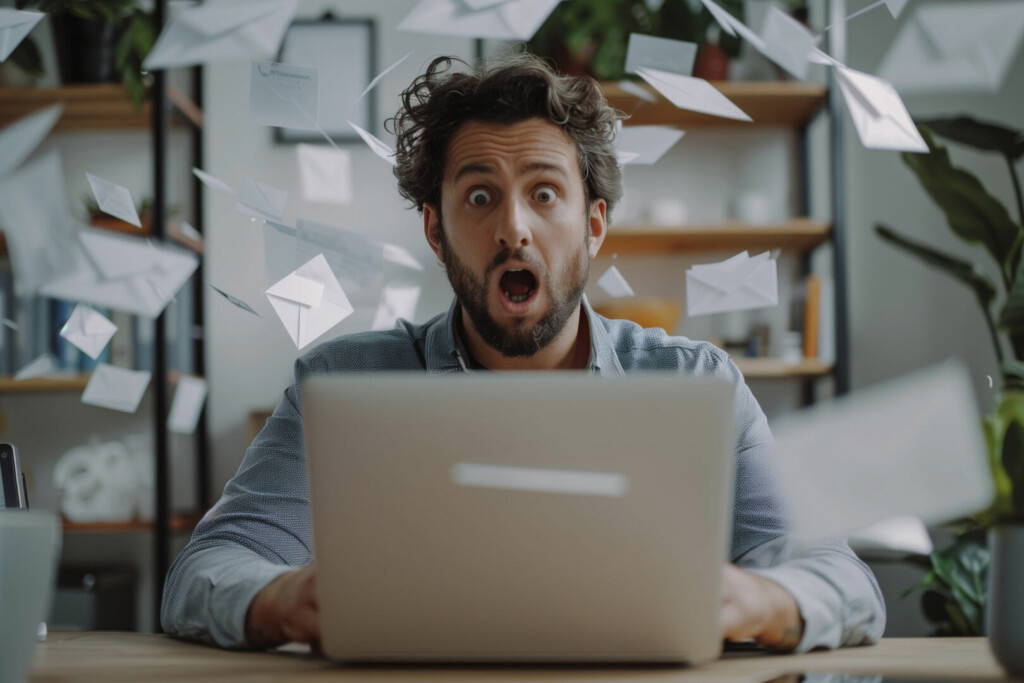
(518, 285)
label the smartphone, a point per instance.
(12, 488)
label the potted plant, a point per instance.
(591, 36)
(97, 41)
(955, 597)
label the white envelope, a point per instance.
(19, 139)
(235, 301)
(43, 366)
(646, 144)
(187, 405)
(227, 29)
(508, 20)
(325, 174)
(357, 259)
(396, 302)
(116, 388)
(379, 77)
(878, 113)
(674, 56)
(378, 147)
(124, 273)
(962, 47)
(40, 231)
(309, 301)
(908, 447)
(736, 284)
(260, 201)
(213, 183)
(732, 25)
(695, 94)
(284, 95)
(114, 199)
(89, 330)
(787, 42)
(614, 284)
(637, 90)
(15, 25)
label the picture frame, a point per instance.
(344, 51)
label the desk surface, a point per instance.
(114, 657)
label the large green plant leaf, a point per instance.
(972, 213)
(964, 271)
(990, 137)
(1012, 315)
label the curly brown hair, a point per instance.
(507, 90)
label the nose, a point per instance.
(513, 231)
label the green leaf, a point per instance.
(1013, 463)
(981, 284)
(983, 135)
(973, 214)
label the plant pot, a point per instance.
(85, 49)
(1005, 618)
(712, 63)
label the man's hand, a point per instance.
(285, 611)
(758, 608)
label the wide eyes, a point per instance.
(544, 195)
(479, 197)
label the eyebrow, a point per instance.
(528, 168)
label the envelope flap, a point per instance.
(864, 89)
(298, 289)
(218, 18)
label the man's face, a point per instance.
(514, 231)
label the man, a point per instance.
(513, 170)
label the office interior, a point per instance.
(797, 182)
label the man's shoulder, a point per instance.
(652, 348)
(399, 348)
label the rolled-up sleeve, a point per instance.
(259, 529)
(836, 593)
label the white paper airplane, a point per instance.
(114, 199)
(235, 301)
(695, 94)
(878, 113)
(378, 147)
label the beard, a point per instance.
(521, 341)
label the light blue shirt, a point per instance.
(261, 526)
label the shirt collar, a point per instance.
(445, 352)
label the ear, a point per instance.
(432, 228)
(598, 225)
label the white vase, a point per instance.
(1005, 618)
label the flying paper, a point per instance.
(614, 284)
(42, 366)
(878, 113)
(739, 283)
(224, 30)
(695, 94)
(637, 90)
(379, 77)
(187, 405)
(213, 183)
(375, 144)
(646, 144)
(116, 388)
(261, 201)
(325, 174)
(309, 301)
(18, 140)
(908, 447)
(787, 42)
(89, 330)
(675, 56)
(15, 25)
(955, 47)
(357, 259)
(502, 20)
(114, 199)
(235, 301)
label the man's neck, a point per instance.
(570, 350)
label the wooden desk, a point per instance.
(115, 657)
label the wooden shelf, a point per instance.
(179, 524)
(800, 234)
(100, 106)
(769, 103)
(38, 385)
(776, 368)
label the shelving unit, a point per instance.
(791, 105)
(90, 108)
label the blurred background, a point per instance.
(853, 310)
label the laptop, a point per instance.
(520, 517)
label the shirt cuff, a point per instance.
(822, 623)
(228, 627)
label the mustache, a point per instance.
(505, 256)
